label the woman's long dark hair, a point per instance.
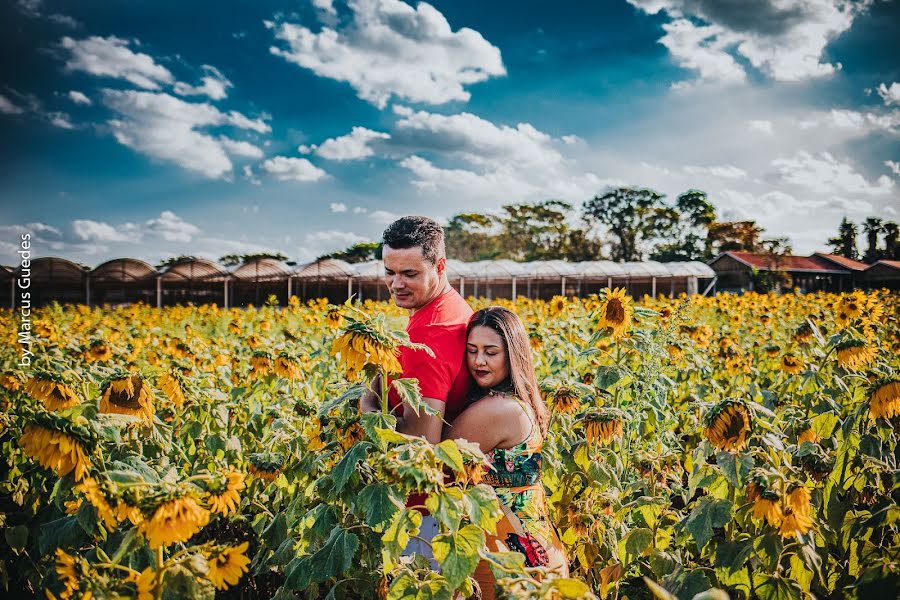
(522, 380)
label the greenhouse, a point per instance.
(198, 280)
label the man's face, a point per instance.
(412, 280)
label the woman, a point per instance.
(508, 420)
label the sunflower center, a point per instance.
(615, 312)
(124, 399)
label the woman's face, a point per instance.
(486, 357)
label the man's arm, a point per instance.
(371, 400)
(423, 424)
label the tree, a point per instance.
(891, 251)
(741, 236)
(472, 237)
(174, 259)
(230, 260)
(774, 250)
(535, 231)
(357, 253)
(872, 227)
(635, 217)
(845, 242)
(690, 235)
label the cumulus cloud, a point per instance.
(337, 207)
(890, 95)
(240, 148)
(213, 85)
(893, 166)
(824, 174)
(784, 40)
(353, 146)
(761, 126)
(391, 49)
(723, 171)
(79, 98)
(99, 231)
(285, 168)
(383, 217)
(8, 107)
(112, 57)
(61, 120)
(171, 227)
(164, 127)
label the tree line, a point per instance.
(875, 230)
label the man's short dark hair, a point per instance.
(409, 232)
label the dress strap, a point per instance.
(531, 419)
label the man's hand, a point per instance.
(371, 401)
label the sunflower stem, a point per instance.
(382, 380)
(158, 589)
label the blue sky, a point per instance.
(156, 129)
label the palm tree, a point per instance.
(872, 227)
(891, 252)
(845, 242)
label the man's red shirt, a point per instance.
(440, 325)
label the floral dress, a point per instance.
(515, 475)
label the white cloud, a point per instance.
(571, 139)
(79, 98)
(98, 231)
(247, 170)
(111, 57)
(213, 84)
(171, 227)
(723, 171)
(890, 95)
(337, 207)
(784, 40)
(325, 5)
(7, 106)
(383, 217)
(164, 127)
(240, 148)
(824, 174)
(61, 120)
(286, 168)
(762, 126)
(358, 210)
(353, 146)
(36, 228)
(893, 166)
(390, 49)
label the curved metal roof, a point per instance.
(690, 268)
(371, 269)
(6, 272)
(123, 270)
(646, 268)
(194, 269)
(56, 269)
(549, 269)
(458, 268)
(496, 269)
(261, 269)
(329, 268)
(599, 268)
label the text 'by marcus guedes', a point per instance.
(23, 285)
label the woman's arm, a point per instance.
(493, 422)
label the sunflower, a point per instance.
(266, 465)
(68, 572)
(557, 305)
(807, 435)
(772, 350)
(227, 567)
(50, 389)
(98, 351)
(855, 354)
(603, 425)
(334, 318)
(768, 506)
(144, 584)
(351, 434)
(884, 401)
(791, 364)
(852, 305)
(365, 343)
(803, 334)
(261, 364)
(728, 425)
(175, 520)
(58, 444)
(10, 382)
(127, 394)
(286, 366)
(615, 312)
(797, 500)
(534, 339)
(795, 524)
(564, 399)
(96, 495)
(473, 471)
(172, 385)
(225, 499)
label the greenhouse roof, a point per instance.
(261, 269)
(123, 270)
(194, 269)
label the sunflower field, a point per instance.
(700, 447)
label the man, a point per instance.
(415, 266)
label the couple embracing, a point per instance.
(482, 383)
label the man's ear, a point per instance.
(441, 266)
